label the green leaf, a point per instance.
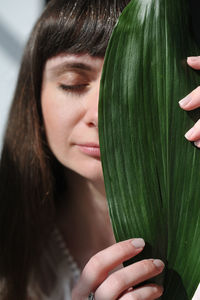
(151, 172)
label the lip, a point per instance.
(91, 149)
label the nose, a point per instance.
(91, 115)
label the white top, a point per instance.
(57, 272)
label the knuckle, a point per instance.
(148, 266)
(121, 248)
(95, 262)
(94, 269)
(116, 281)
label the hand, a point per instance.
(119, 284)
(191, 102)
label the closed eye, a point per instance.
(74, 89)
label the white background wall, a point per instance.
(16, 21)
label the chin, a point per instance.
(90, 169)
(91, 172)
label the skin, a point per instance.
(192, 101)
(70, 111)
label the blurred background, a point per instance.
(16, 21)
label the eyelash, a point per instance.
(74, 89)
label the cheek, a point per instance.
(53, 117)
(61, 115)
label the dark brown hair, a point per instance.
(29, 182)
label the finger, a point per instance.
(194, 62)
(98, 267)
(194, 133)
(191, 101)
(132, 275)
(147, 292)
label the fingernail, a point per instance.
(184, 101)
(190, 133)
(197, 143)
(158, 263)
(193, 58)
(138, 243)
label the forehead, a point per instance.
(79, 61)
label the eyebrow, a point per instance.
(67, 66)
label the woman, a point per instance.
(53, 204)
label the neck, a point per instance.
(86, 211)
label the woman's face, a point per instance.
(70, 95)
